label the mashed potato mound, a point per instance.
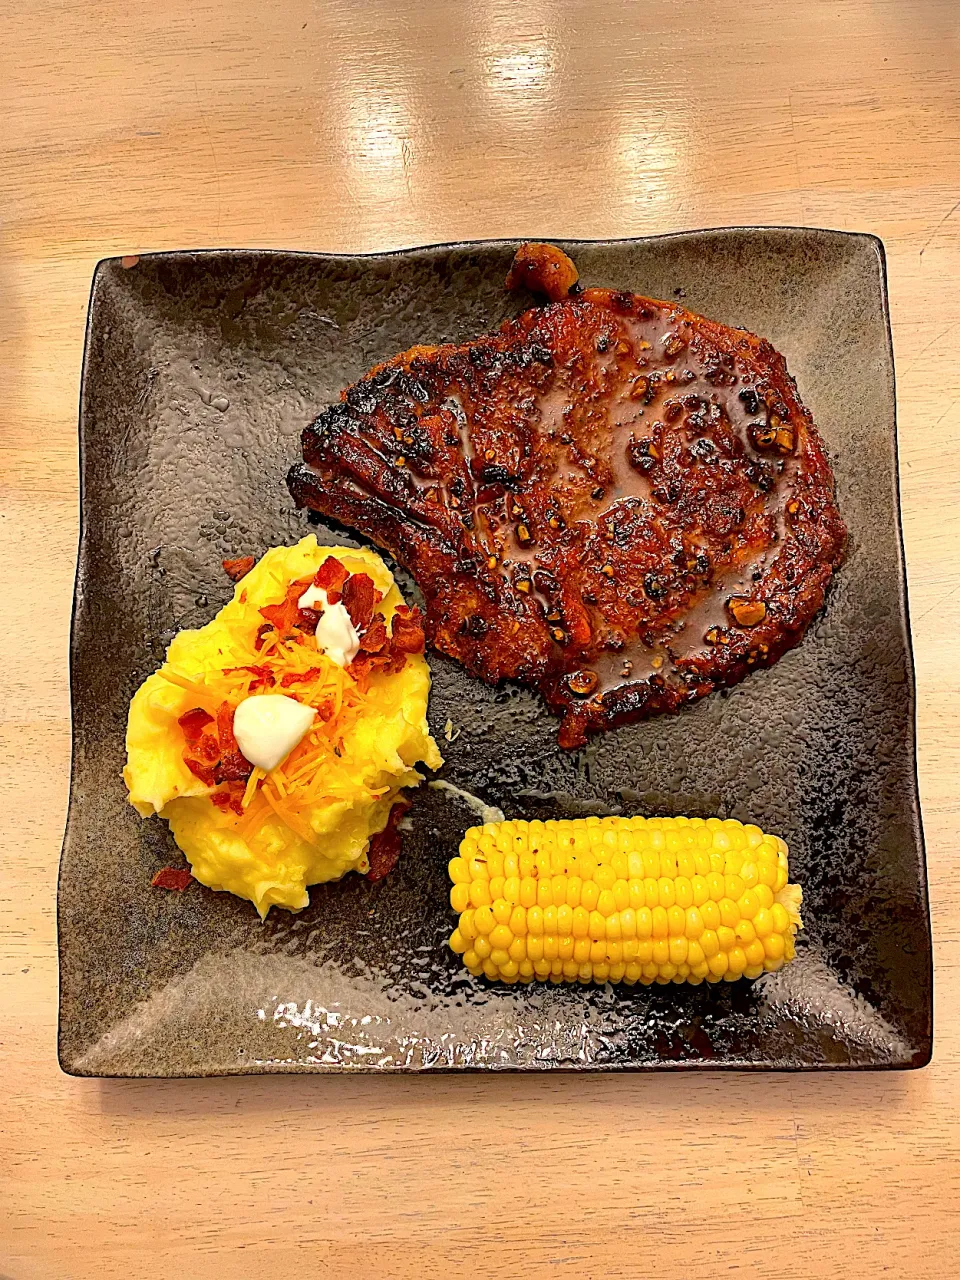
(267, 836)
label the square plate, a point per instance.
(200, 370)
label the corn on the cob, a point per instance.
(623, 900)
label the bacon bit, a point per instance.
(407, 634)
(239, 568)
(207, 748)
(375, 637)
(307, 620)
(263, 677)
(330, 577)
(204, 772)
(284, 618)
(261, 636)
(176, 878)
(365, 664)
(193, 724)
(358, 593)
(230, 799)
(299, 677)
(233, 766)
(385, 845)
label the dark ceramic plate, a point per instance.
(200, 371)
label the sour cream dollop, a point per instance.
(268, 726)
(336, 634)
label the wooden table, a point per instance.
(365, 124)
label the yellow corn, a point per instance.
(623, 900)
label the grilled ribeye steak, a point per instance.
(612, 499)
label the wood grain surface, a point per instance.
(367, 124)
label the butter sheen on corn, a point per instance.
(623, 900)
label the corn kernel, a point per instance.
(727, 938)
(718, 964)
(458, 871)
(709, 942)
(517, 949)
(483, 920)
(644, 950)
(499, 956)
(480, 893)
(598, 949)
(748, 904)
(621, 895)
(565, 947)
(695, 954)
(678, 950)
(781, 920)
(676, 921)
(613, 926)
(535, 920)
(773, 946)
(518, 922)
(614, 952)
(589, 895)
(661, 950)
(534, 947)
(749, 874)
(764, 896)
(472, 960)
(628, 923)
(711, 914)
(729, 912)
(693, 923)
(606, 876)
(755, 953)
(661, 926)
(734, 886)
(667, 894)
(763, 923)
(683, 892)
(460, 897)
(458, 942)
(737, 959)
(606, 903)
(574, 889)
(716, 885)
(482, 947)
(598, 926)
(551, 946)
(581, 949)
(502, 911)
